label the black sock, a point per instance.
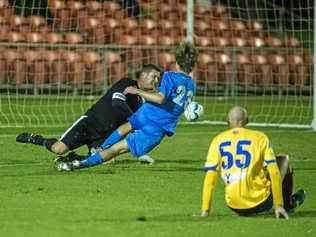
(287, 188)
(37, 140)
(49, 142)
(74, 156)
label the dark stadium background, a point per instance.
(276, 9)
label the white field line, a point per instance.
(14, 135)
(25, 164)
(45, 164)
(276, 125)
(277, 130)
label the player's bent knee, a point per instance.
(282, 160)
(59, 148)
(283, 164)
(125, 129)
(120, 147)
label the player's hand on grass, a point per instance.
(280, 212)
(201, 214)
(204, 213)
(130, 90)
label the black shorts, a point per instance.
(262, 207)
(81, 133)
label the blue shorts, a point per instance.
(146, 136)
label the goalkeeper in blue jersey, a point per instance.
(156, 118)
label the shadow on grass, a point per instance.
(177, 169)
(158, 166)
(19, 168)
(180, 161)
(52, 172)
(89, 172)
(165, 218)
(158, 162)
(218, 217)
(149, 169)
(20, 162)
(294, 215)
(158, 169)
(305, 168)
(268, 216)
(303, 214)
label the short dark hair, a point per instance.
(148, 68)
(186, 55)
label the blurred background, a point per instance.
(61, 51)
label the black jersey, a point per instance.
(104, 115)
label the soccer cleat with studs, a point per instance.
(64, 166)
(71, 156)
(30, 138)
(298, 198)
(68, 166)
(146, 159)
(24, 137)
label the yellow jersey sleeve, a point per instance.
(268, 153)
(208, 190)
(213, 157)
(275, 176)
(212, 164)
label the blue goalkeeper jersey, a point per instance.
(178, 90)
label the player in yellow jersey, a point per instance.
(241, 156)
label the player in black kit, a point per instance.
(107, 114)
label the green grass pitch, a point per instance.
(47, 111)
(132, 199)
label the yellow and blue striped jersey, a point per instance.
(240, 155)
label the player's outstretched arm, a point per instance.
(208, 191)
(276, 183)
(154, 97)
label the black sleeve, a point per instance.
(122, 107)
(122, 84)
(119, 100)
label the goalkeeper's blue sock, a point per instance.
(92, 160)
(112, 139)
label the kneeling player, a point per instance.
(109, 112)
(241, 156)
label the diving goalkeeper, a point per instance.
(157, 118)
(107, 114)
